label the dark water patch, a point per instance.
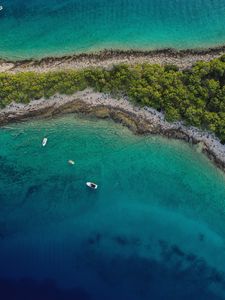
(169, 252)
(176, 250)
(201, 237)
(145, 278)
(30, 289)
(191, 257)
(10, 172)
(32, 190)
(14, 198)
(123, 240)
(95, 239)
(166, 253)
(217, 277)
(185, 264)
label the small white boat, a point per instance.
(92, 185)
(44, 142)
(1, 7)
(71, 162)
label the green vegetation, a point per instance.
(196, 95)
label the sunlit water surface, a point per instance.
(36, 28)
(154, 229)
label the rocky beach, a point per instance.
(141, 120)
(107, 58)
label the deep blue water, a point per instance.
(155, 228)
(36, 28)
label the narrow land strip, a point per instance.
(107, 58)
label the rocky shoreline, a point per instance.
(107, 58)
(139, 120)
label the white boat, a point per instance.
(71, 162)
(1, 7)
(92, 185)
(44, 142)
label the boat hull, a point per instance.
(92, 185)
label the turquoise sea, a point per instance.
(36, 28)
(154, 229)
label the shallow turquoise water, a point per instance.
(38, 28)
(155, 228)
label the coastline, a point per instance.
(107, 58)
(139, 120)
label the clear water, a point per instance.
(36, 28)
(155, 228)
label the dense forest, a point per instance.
(195, 95)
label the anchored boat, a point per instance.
(92, 185)
(44, 142)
